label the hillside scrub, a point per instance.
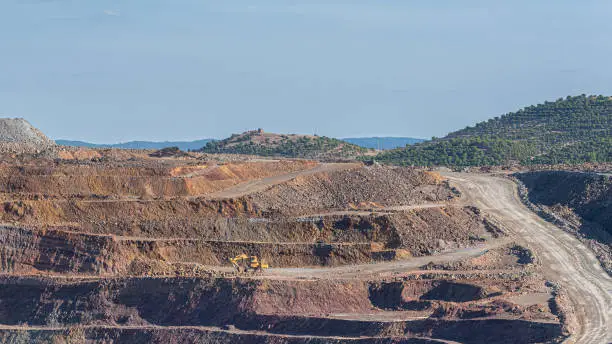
(571, 130)
(257, 142)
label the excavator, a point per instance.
(244, 263)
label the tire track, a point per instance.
(563, 256)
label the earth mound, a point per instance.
(19, 136)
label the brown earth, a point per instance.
(578, 202)
(581, 286)
(150, 181)
(110, 246)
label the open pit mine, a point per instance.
(118, 246)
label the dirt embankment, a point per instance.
(579, 202)
(277, 307)
(324, 241)
(563, 258)
(151, 182)
(236, 220)
(366, 187)
(588, 195)
(508, 257)
(208, 231)
(39, 251)
(161, 335)
(140, 248)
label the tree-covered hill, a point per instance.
(571, 130)
(258, 142)
(382, 143)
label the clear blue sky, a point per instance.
(108, 71)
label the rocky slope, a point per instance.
(363, 188)
(274, 308)
(18, 136)
(580, 201)
(122, 247)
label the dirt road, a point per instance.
(262, 184)
(564, 258)
(369, 271)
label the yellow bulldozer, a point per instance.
(244, 263)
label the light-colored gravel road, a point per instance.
(564, 258)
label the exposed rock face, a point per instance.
(580, 202)
(274, 308)
(18, 136)
(127, 248)
(367, 187)
(588, 194)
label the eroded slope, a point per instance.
(579, 202)
(137, 251)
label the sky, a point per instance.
(120, 70)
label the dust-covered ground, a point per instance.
(111, 246)
(586, 286)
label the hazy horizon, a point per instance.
(221, 138)
(115, 71)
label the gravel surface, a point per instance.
(564, 258)
(365, 187)
(18, 136)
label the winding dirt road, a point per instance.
(564, 258)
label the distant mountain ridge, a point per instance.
(183, 145)
(383, 143)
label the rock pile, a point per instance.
(358, 188)
(18, 136)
